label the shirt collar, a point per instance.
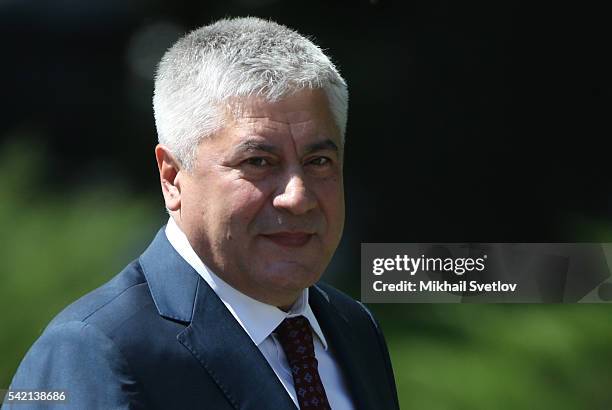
(258, 319)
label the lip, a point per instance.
(289, 239)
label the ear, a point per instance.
(169, 169)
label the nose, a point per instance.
(295, 196)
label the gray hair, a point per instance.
(239, 57)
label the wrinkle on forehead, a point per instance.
(255, 118)
(266, 124)
(279, 122)
(253, 106)
(300, 114)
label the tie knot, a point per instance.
(295, 336)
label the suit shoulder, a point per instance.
(78, 357)
(110, 304)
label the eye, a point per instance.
(258, 162)
(320, 161)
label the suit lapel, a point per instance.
(214, 337)
(230, 357)
(344, 347)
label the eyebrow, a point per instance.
(255, 145)
(326, 144)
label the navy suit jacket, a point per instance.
(156, 336)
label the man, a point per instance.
(223, 310)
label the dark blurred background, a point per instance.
(479, 122)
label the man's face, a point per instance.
(263, 205)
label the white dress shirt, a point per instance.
(259, 321)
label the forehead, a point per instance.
(301, 117)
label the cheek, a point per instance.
(195, 205)
(331, 200)
(331, 191)
(243, 203)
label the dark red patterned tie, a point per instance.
(295, 337)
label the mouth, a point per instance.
(289, 239)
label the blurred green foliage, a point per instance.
(55, 247)
(500, 356)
